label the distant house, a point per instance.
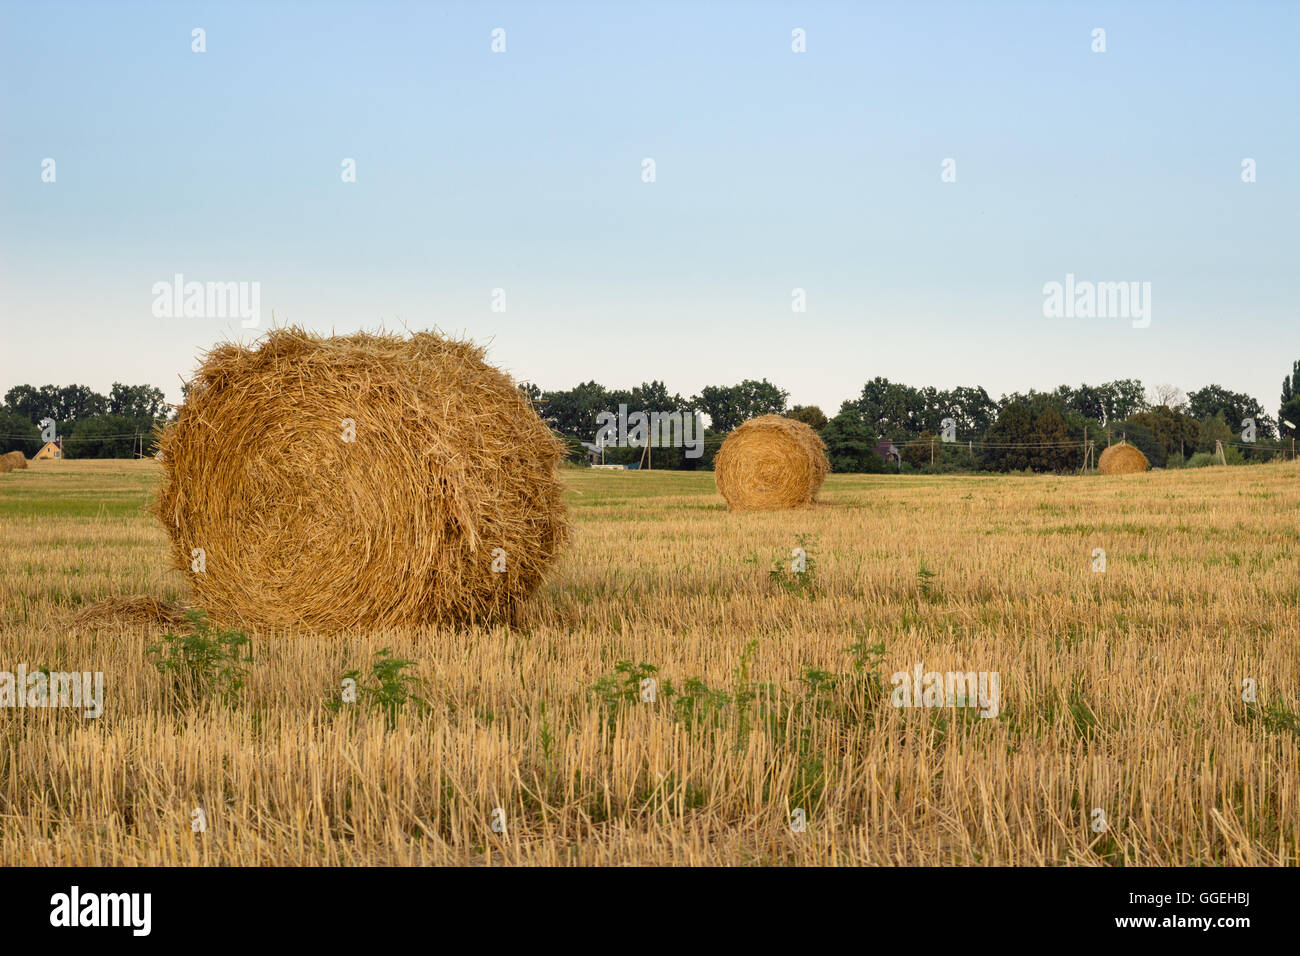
(887, 450)
(52, 449)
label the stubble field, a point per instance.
(1120, 691)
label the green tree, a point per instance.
(729, 405)
(63, 403)
(1088, 401)
(1122, 398)
(573, 412)
(26, 401)
(1015, 426)
(1290, 407)
(850, 442)
(917, 452)
(1057, 449)
(1212, 429)
(1235, 407)
(654, 397)
(970, 407)
(106, 436)
(136, 401)
(810, 415)
(17, 433)
(891, 409)
(1177, 433)
(1142, 437)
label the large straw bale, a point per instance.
(367, 480)
(17, 460)
(1122, 459)
(770, 463)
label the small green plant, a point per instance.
(746, 692)
(856, 692)
(205, 662)
(546, 740)
(866, 686)
(866, 657)
(798, 575)
(1276, 718)
(388, 689)
(698, 702)
(624, 685)
(924, 577)
(1083, 716)
(820, 683)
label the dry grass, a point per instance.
(1119, 690)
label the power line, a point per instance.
(75, 438)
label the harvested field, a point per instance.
(1119, 691)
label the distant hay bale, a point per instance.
(770, 463)
(1122, 459)
(136, 609)
(5, 464)
(366, 480)
(17, 460)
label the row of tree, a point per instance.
(91, 425)
(1038, 431)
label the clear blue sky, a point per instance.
(775, 170)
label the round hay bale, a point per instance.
(5, 464)
(17, 460)
(770, 463)
(359, 481)
(1122, 459)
